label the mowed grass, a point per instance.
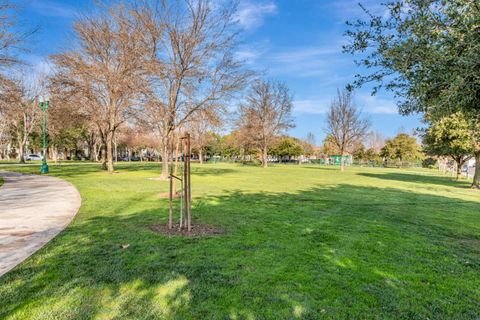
(301, 242)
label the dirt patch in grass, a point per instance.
(198, 230)
(166, 195)
(471, 243)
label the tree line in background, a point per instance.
(140, 75)
(137, 78)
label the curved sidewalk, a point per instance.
(33, 210)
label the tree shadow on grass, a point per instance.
(78, 170)
(332, 168)
(125, 167)
(418, 178)
(202, 170)
(337, 252)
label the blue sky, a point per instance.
(298, 42)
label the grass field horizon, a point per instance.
(301, 242)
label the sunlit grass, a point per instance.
(301, 242)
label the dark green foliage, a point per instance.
(426, 52)
(451, 136)
(429, 163)
(287, 147)
(402, 148)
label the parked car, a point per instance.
(132, 158)
(33, 157)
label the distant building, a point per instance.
(471, 163)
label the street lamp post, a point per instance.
(44, 107)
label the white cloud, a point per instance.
(311, 106)
(310, 61)
(367, 103)
(53, 9)
(44, 67)
(252, 52)
(376, 105)
(296, 55)
(251, 14)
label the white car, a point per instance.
(33, 157)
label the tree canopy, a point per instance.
(402, 148)
(450, 136)
(287, 147)
(425, 51)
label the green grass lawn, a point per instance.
(304, 242)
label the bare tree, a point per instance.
(192, 64)
(265, 114)
(345, 125)
(375, 141)
(104, 74)
(310, 138)
(67, 124)
(200, 126)
(12, 36)
(19, 106)
(5, 136)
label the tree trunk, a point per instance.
(200, 155)
(110, 152)
(342, 162)
(476, 178)
(164, 175)
(95, 152)
(55, 154)
(459, 170)
(90, 149)
(115, 150)
(21, 152)
(104, 156)
(265, 157)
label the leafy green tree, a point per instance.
(360, 153)
(402, 148)
(287, 147)
(426, 52)
(213, 145)
(450, 136)
(373, 157)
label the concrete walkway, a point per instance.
(33, 210)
